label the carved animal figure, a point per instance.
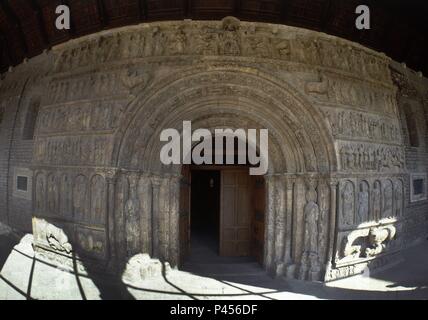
(57, 239)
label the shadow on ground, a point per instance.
(204, 276)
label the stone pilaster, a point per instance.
(270, 224)
(288, 258)
(156, 182)
(174, 221)
(280, 223)
(111, 177)
(332, 224)
(145, 196)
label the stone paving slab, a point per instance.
(24, 277)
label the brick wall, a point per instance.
(17, 90)
(414, 95)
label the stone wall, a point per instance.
(17, 89)
(338, 187)
(412, 95)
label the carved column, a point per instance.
(163, 219)
(289, 185)
(270, 223)
(120, 232)
(132, 217)
(332, 225)
(145, 196)
(156, 182)
(174, 221)
(111, 178)
(280, 209)
(310, 264)
(323, 227)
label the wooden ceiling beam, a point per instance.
(41, 22)
(16, 25)
(102, 13)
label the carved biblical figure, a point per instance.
(348, 204)
(363, 203)
(398, 198)
(310, 259)
(80, 198)
(387, 200)
(376, 195)
(98, 200)
(40, 192)
(132, 220)
(53, 195)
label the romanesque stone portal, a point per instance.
(337, 184)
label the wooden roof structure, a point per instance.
(398, 28)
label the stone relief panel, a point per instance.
(40, 192)
(387, 199)
(347, 204)
(363, 203)
(370, 157)
(52, 194)
(376, 200)
(377, 227)
(98, 194)
(54, 236)
(84, 117)
(354, 125)
(80, 198)
(398, 198)
(310, 266)
(73, 209)
(98, 85)
(66, 188)
(73, 150)
(364, 244)
(349, 93)
(373, 200)
(91, 242)
(227, 38)
(84, 88)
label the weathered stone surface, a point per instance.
(340, 163)
(141, 267)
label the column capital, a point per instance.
(333, 182)
(156, 180)
(111, 175)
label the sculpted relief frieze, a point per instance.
(97, 85)
(227, 38)
(73, 151)
(354, 125)
(352, 94)
(84, 117)
(370, 157)
(370, 213)
(82, 88)
(10, 88)
(367, 201)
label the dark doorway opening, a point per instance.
(205, 211)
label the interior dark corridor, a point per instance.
(205, 211)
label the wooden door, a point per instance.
(185, 190)
(235, 213)
(258, 199)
